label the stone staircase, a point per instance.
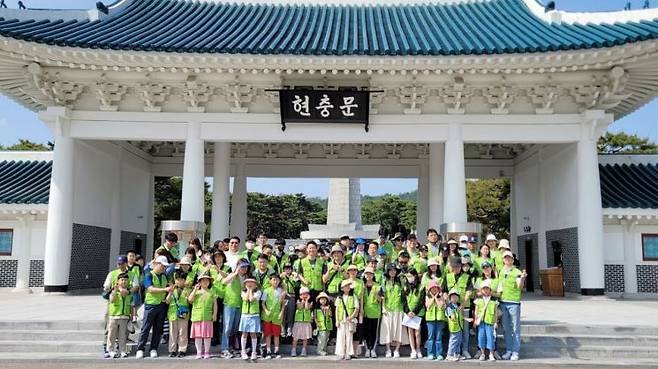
(83, 339)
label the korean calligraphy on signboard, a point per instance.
(317, 106)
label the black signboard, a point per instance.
(319, 106)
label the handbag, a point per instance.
(182, 311)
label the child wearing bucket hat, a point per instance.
(250, 317)
(204, 313)
(486, 315)
(455, 317)
(436, 320)
(274, 300)
(324, 322)
(302, 329)
(178, 314)
(347, 310)
(391, 332)
(373, 295)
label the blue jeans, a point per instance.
(511, 319)
(231, 324)
(154, 317)
(466, 333)
(486, 336)
(455, 344)
(435, 338)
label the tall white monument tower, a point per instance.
(343, 213)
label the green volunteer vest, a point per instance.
(158, 281)
(372, 308)
(263, 278)
(393, 296)
(250, 307)
(511, 292)
(416, 297)
(202, 306)
(313, 273)
(455, 321)
(433, 253)
(349, 305)
(494, 283)
(303, 315)
(420, 264)
(325, 322)
(121, 305)
(178, 297)
(497, 257)
(489, 315)
(273, 304)
(435, 313)
(459, 284)
(359, 261)
(244, 254)
(232, 292)
(289, 285)
(358, 288)
(425, 281)
(220, 287)
(114, 276)
(336, 278)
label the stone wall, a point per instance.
(647, 278)
(614, 278)
(36, 273)
(8, 270)
(568, 237)
(90, 252)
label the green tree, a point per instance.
(488, 203)
(27, 145)
(283, 215)
(391, 212)
(623, 143)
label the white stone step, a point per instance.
(52, 325)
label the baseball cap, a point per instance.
(162, 260)
(472, 239)
(463, 238)
(360, 241)
(398, 235)
(122, 259)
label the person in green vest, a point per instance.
(185, 266)
(398, 245)
(435, 319)
(250, 253)
(419, 260)
(393, 311)
(486, 315)
(118, 310)
(219, 270)
(135, 274)
(455, 318)
(433, 274)
(473, 246)
(169, 248)
(433, 243)
(379, 272)
(204, 313)
(156, 285)
(483, 256)
(512, 281)
(488, 274)
(462, 281)
(274, 300)
(261, 241)
(335, 271)
(268, 252)
(178, 315)
(499, 263)
(373, 295)
(412, 245)
(233, 303)
(347, 311)
(324, 322)
(290, 282)
(262, 272)
(357, 291)
(414, 307)
(302, 329)
(492, 242)
(359, 256)
(310, 268)
(250, 317)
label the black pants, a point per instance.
(371, 332)
(154, 317)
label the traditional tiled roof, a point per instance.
(633, 186)
(24, 182)
(470, 27)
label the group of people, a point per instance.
(359, 293)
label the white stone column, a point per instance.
(435, 182)
(590, 214)
(192, 202)
(221, 192)
(115, 212)
(59, 231)
(22, 253)
(151, 237)
(422, 203)
(630, 260)
(239, 203)
(454, 181)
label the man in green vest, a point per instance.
(156, 284)
(232, 303)
(419, 261)
(170, 247)
(335, 271)
(250, 253)
(512, 281)
(434, 243)
(310, 269)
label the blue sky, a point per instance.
(17, 122)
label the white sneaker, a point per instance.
(466, 355)
(419, 354)
(303, 354)
(293, 352)
(244, 355)
(430, 357)
(507, 355)
(112, 355)
(153, 354)
(515, 356)
(439, 357)
(253, 355)
(367, 354)
(388, 353)
(413, 354)
(139, 354)
(373, 354)
(491, 357)
(396, 353)
(483, 358)
(123, 355)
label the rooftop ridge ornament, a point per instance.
(21, 6)
(2, 4)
